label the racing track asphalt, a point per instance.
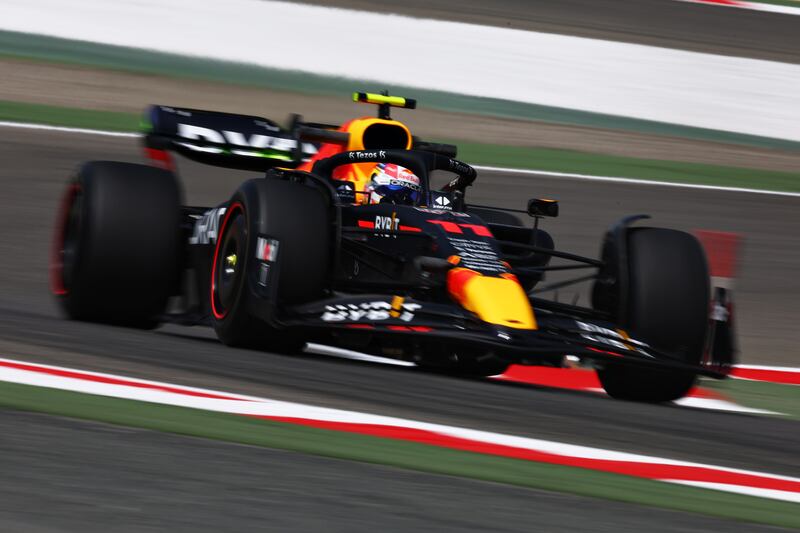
(33, 173)
(129, 486)
(667, 23)
(241, 488)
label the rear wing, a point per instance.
(253, 143)
(227, 139)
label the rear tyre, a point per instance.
(116, 247)
(295, 215)
(668, 302)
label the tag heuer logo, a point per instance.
(442, 201)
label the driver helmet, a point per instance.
(390, 183)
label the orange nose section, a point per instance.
(496, 300)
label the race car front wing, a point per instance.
(406, 328)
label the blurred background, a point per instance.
(688, 111)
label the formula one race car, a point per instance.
(345, 242)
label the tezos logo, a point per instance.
(368, 155)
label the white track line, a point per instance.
(753, 6)
(772, 368)
(505, 170)
(715, 404)
(748, 491)
(341, 353)
(47, 127)
(633, 181)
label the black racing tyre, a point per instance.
(668, 306)
(295, 215)
(115, 255)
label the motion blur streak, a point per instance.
(755, 6)
(517, 171)
(21, 125)
(558, 70)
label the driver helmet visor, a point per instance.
(396, 184)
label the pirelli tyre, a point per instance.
(116, 246)
(273, 251)
(668, 305)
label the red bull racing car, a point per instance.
(344, 241)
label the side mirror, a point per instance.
(540, 207)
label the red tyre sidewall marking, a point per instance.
(56, 252)
(231, 209)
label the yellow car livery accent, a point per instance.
(372, 98)
(397, 306)
(496, 300)
(360, 173)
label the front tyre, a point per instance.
(296, 217)
(668, 305)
